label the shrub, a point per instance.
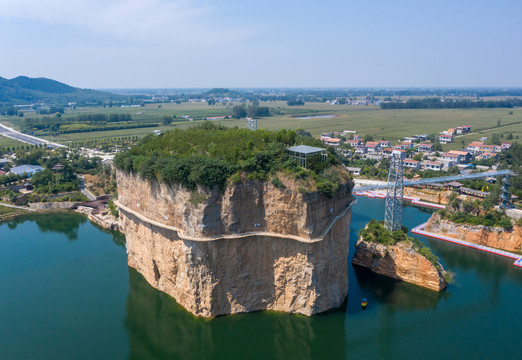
(277, 182)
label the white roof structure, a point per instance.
(23, 169)
(302, 152)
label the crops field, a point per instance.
(366, 120)
(8, 142)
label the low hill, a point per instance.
(26, 90)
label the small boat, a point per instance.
(364, 303)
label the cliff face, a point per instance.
(400, 262)
(253, 247)
(478, 234)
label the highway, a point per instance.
(28, 139)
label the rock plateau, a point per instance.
(252, 247)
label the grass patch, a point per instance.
(197, 198)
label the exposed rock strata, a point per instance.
(434, 196)
(104, 218)
(478, 234)
(187, 257)
(53, 205)
(400, 262)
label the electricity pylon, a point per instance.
(394, 194)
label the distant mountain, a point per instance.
(26, 90)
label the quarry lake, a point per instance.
(66, 292)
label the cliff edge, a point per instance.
(254, 246)
(400, 261)
(396, 255)
(496, 237)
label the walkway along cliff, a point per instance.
(253, 246)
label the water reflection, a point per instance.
(159, 328)
(398, 294)
(61, 222)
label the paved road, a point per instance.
(16, 207)
(28, 139)
(84, 190)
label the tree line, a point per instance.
(437, 103)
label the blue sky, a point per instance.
(232, 43)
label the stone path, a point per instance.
(16, 207)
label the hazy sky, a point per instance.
(243, 43)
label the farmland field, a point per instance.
(5, 142)
(366, 120)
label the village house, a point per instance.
(458, 157)
(506, 145)
(474, 147)
(384, 143)
(463, 129)
(372, 146)
(325, 136)
(433, 165)
(406, 145)
(402, 153)
(361, 149)
(411, 164)
(354, 170)
(421, 137)
(354, 143)
(387, 152)
(425, 148)
(332, 141)
(446, 138)
(487, 155)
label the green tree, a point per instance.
(166, 120)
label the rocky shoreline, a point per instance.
(401, 262)
(104, 218)
(495, 237)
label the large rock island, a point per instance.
(397, 256)
(232, 236)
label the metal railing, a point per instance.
(442, 179)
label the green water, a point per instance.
(66, 293)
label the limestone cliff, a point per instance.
(253, 247)
(399, 261)
(478, 234)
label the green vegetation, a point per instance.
(437, 103)
(23, 90)
(210, 155)
(367, 120)
(49, 182)
(474, 212)
(113, 209)
(376, 232)
(70, 197)
(7, 212)
(81, 123)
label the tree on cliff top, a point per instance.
(376, 232)
(210, 154)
